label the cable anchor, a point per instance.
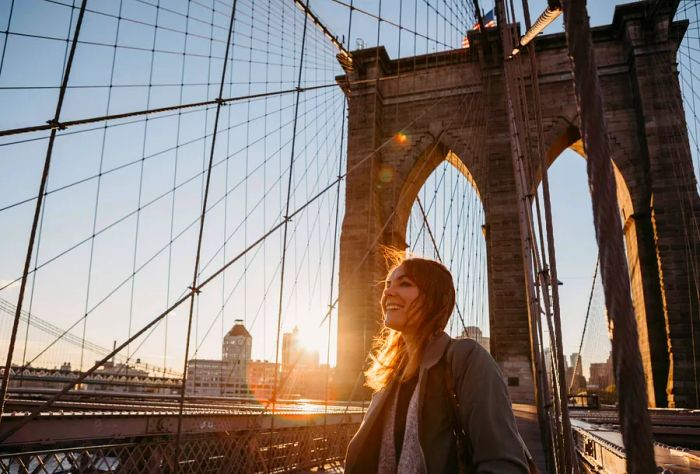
(55, 124)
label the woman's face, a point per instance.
(399, 301)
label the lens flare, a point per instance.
(401, 138)
(386, 174)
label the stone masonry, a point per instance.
(451, 106)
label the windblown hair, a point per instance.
(434, 306)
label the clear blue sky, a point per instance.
(142, 161)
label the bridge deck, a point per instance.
(600, 447)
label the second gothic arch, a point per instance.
(426, 161)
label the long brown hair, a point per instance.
(435, 303)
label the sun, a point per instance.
(312, 337)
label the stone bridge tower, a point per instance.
(431, 99)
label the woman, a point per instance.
(410, 424)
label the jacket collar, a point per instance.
(431, 355)
(372, 416)
(434, 350)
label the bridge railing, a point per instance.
(287, 449)
(586, 400)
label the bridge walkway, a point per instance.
(529, 428)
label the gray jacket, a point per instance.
(485, 414)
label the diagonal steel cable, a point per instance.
(55, 124)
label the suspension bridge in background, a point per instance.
(184, 182)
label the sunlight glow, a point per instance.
(312, 337)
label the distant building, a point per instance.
(121, 374)
(575, 380)
(261, 379)
(236, 353)
(302, 375)
(110, 377)
(225, 377)
(601, 374)
(204, 377)
(314, 382)
(295, 356)
(37, 377)
(474, 332)
(237, 375)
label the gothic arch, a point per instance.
(639, 240)
(428, 159)
(567, 136)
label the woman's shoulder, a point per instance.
(466, 348)
(465, 354)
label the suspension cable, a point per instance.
(195, 277)
(585, 324)
(286, 220)
(634, 417)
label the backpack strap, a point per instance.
(464, 447)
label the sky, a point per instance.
(118, 234)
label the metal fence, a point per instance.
(254, 451)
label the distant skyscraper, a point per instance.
(575, 363)
(574, 374)
(601, 374)
(225, 377)
(236, 351)
(294, 355)
(237, 345)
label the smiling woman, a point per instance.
(415, 288)
(440, 405)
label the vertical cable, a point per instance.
(99, 183)
(552, 276)
(528, 250)
(137, 229)
(336, 234)
(7, 35)
(42, 216)
(195, 277)
(585, 324)
(286, 220)
(172, 202)
(223, 377)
